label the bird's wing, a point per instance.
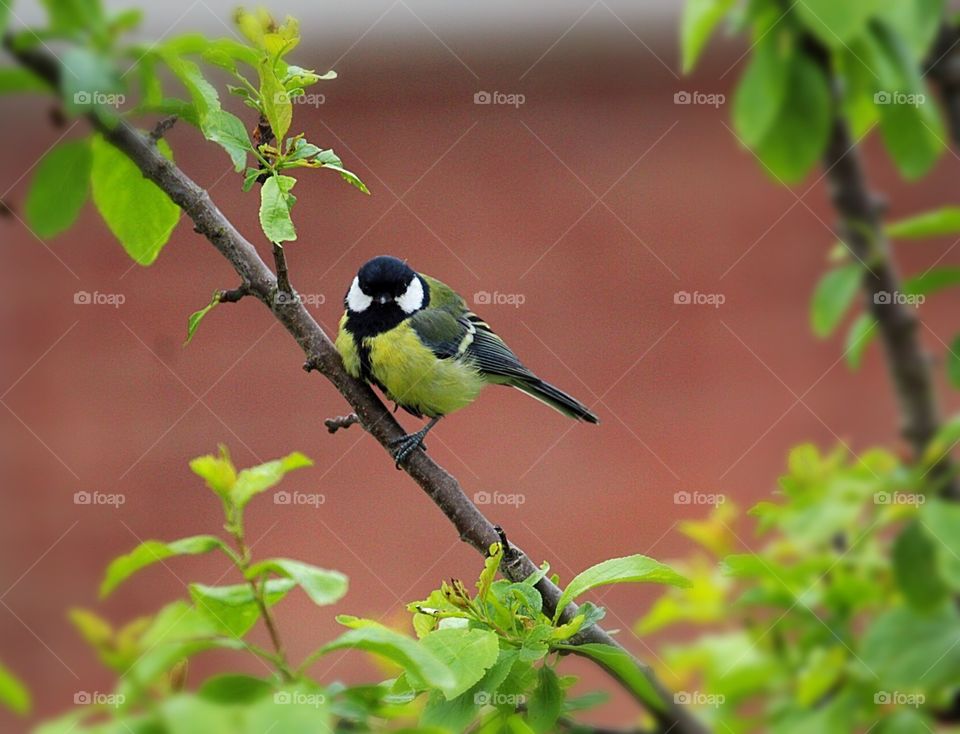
(452, 330)
(440, 331)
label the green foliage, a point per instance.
(936, 223)
(486, 660)
(13, 694)
(633, 569)
(783, 107)
(843, 608)
(59, 188)
(833, 297)
(700, 17)
(193, 321)
(154, 551)
(96, 82)
(138, 213)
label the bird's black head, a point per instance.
(387, 285)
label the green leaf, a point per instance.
(227, 131)
(915, 567)
(619, 662)
(631, 569)
(321, 585)
(274, 98)
(700, 17)
(197, 316)
(936, 223)
(917, 22)
(762, 90)
(546, 702)
(349, 177)
(154, 551)
(910, 122)
(932, 281)
(861, 333)
(953, 361)
(4, 18)
(234, 608)
(468, 653)
(490, 567)
(135, 209)
(798, 136)
(251, 482)
(70, 16)
(234, 688)
(13, 80)
(89, 81)
(836, 23)
(59, 188)
(202, 92)
(276, 202)
(178, 632)
(905, 645)
(218, 472)
(13, 694)
(416, 660)
(941, 520)
(832, 298)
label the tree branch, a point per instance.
(861, 213)
(444, 489)
(944, 68)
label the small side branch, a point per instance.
(161, 128)
(341, 421)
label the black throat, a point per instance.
(377, 319)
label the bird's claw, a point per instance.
(406, 445)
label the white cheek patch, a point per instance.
(412, 298)
(357, 300)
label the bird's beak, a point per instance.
(383, 299)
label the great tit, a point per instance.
(415, 338)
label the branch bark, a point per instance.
(258, 281)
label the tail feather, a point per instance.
(556, 399)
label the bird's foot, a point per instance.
(406, 445)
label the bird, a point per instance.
(415, 338)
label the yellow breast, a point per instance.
(414, 377)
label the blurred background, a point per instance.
(574, 208)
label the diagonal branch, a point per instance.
(259, 282)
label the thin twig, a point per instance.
(161, 128)
(341, 421)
